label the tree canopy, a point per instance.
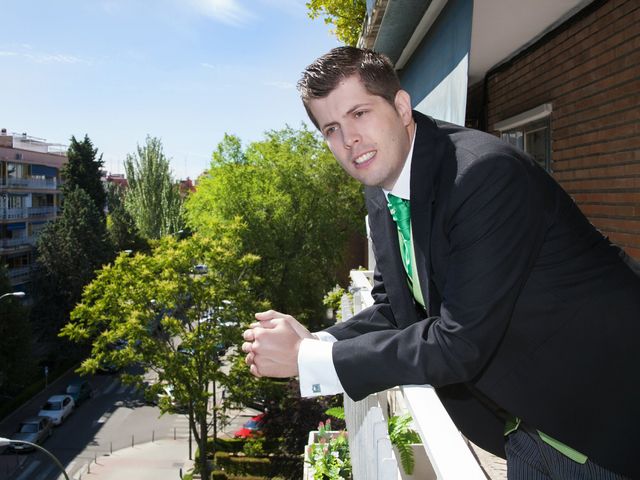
(83, 171)
(157, 310)
(121, 226)
(69, 251)
(153, 198)
(16, 362)
(346, 15)
(298, 208)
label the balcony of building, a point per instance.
(28, 212)
(31, 183)
(444, 453)
(19, 275)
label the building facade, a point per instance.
(30, 196)
(560, 80)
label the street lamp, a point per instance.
(6, 441)
(13, 294)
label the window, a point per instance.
(531, 132)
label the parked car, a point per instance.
(251, 427)
(57, 408)
(34, 430)
(80, 390)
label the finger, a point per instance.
(265, 323)
(248, 335)
(268, 315)
(254, 371)
(247, 347)
(249, 359)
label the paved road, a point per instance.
(116, 418)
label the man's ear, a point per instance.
(402, 103)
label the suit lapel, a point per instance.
(430, 151)
(384, 235)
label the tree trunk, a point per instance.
(204, 462)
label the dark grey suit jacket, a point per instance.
(530, 310)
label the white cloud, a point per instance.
(28, 53)
(55, 58)
(230, 12)
(288, 6)
(111, 7)
(281, 85)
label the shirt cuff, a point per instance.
(316, 371)
(324, 336)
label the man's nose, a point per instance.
(351, 136)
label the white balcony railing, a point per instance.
(13, 213)
(35, 212)
(28, 212)
(44, 183)
(14, 242)
(372, 456)
(18, 273)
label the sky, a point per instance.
(185, 71)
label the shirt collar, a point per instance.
(402, 188)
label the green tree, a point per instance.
(121, 227)
(69, 251)
(299, 209)
(16, 362)
(83, 171)
(346, 15)
(152, 305)
(153, 198)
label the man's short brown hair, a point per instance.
(374, 69)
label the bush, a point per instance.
(285, 466)
(233, 445)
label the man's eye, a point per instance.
(359, 113)
(329, 131)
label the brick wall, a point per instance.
(589, 70)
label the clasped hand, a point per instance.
(272, 345)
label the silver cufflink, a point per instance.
(315, 388)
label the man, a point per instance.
(494, 288)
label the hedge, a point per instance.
(286, 466)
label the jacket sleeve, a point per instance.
(377, 317)
(494, 227)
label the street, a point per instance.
(116, 417)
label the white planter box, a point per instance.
(422, 469)
(307, 473)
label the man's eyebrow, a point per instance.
(348, 112)
(356, 107)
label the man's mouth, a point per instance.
(365, 157)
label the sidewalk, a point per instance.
(160, 460)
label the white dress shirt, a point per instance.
(317, 373)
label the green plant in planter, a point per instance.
(336, 412)
(329, 458)
(333, 299)
(402, 436)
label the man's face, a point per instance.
(369, 137)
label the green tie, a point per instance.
(401, 214)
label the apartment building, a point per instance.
(557, 79)
(30, 196)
